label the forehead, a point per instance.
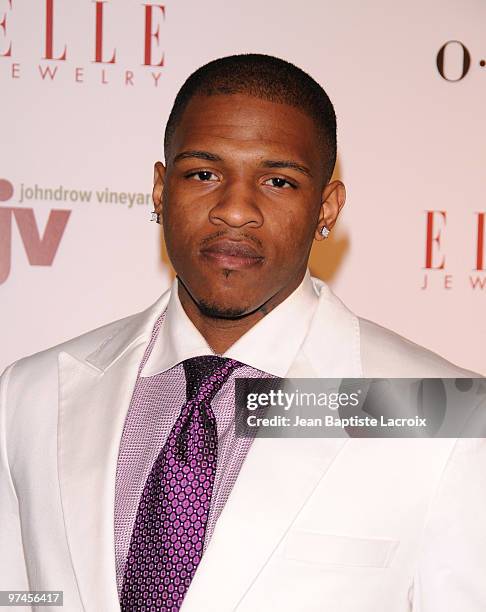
(246, 126)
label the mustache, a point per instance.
(228, 235)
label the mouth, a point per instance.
(232, 254)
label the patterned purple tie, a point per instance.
(168, 534)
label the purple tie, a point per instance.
(168, 534)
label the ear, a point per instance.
(332, 200)
(158, 189)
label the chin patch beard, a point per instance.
(219, 312)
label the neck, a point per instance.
(221, 334)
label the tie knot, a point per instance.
(206, 375)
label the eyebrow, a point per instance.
(197, 154)
(266, 163)
(280, 163)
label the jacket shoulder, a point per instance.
(386, 354)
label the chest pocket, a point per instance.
(337, 550)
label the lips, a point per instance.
(232, 254)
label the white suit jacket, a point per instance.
(334, 525)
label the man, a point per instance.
(122, 481)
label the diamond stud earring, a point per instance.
(325, 231)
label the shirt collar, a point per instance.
(270, 345)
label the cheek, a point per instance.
(180, 220)
(178, 234)
(292, 230)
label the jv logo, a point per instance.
(40, 251)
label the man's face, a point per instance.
(242, 198)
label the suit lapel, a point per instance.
(278, 475)
(94, 396)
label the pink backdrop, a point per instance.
(86, 88)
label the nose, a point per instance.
(237, 205)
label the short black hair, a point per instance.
(266, 77)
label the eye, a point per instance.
(202, 175)
(280, 182)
